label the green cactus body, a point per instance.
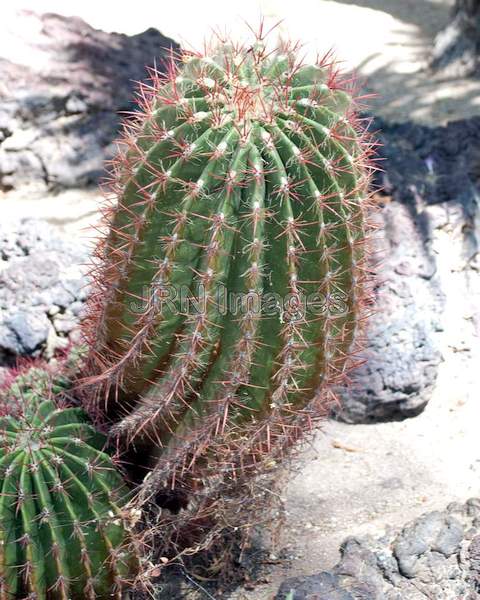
(245, 177)
(61, 522)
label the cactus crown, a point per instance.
(61, 524)
(243, 177)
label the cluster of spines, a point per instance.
(251, 172)
(62, 534)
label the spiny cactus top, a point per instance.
(61, 524)
(231, 284)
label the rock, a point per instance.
(30, 327)
(64, 323)
(9, 342)
(59, 112)
(435, 556)
(426, 166)
(402, 351)
(42, 288)
(428, 294)
(323, 586)
(456, 48)
(436, 532)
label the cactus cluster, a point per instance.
(62, 534)
(232, 284)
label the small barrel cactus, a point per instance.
(232, 283)
(61, 522)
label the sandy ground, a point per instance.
(366, 478)
(362, 478)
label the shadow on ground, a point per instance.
(428, 16)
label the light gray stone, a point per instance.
(42, 288)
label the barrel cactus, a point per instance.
(61, 518)
(232, 283)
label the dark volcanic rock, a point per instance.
(324, 586)
(42, 288)
(430, 260)
(402, 351)
(435, 556)
(61, 92)
(429, 165)
(456, 48)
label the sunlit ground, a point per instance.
(356, 32)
